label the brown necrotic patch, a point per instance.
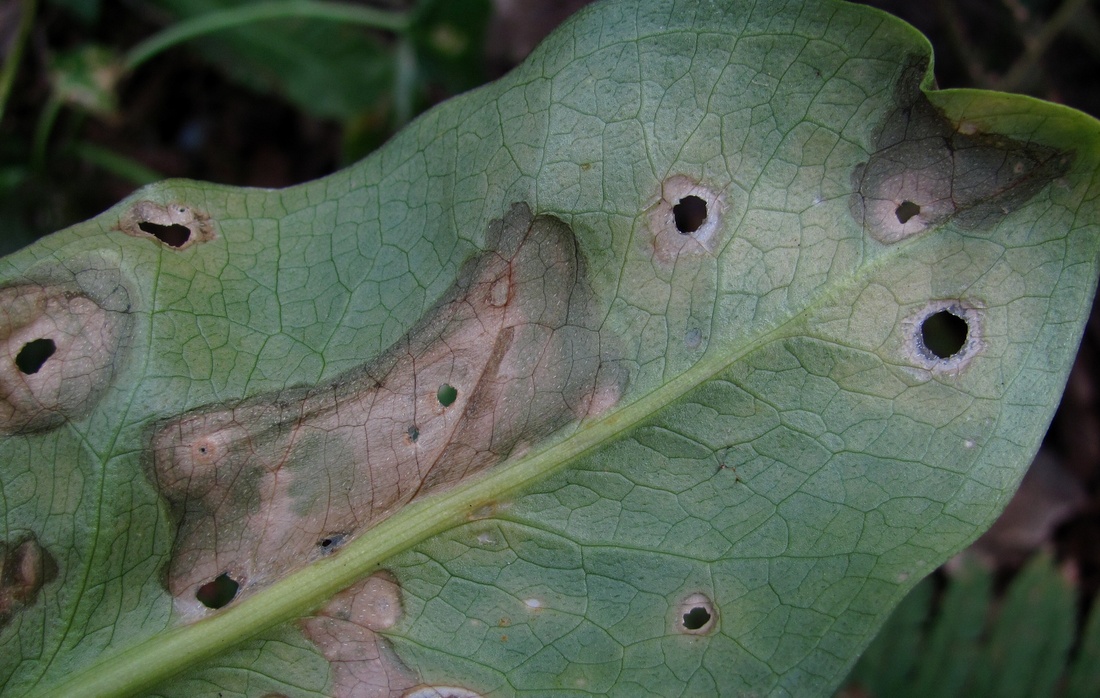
(175, 225)
(686, 220)
(510, 354)
(25, 567)
(58, 350)
(441, 692)
(925, 171)
(347, 630)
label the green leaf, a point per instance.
(1084, 673)
(87, 77)
(325, 68)
(1040, 608)
(1018, 646)
(683, 270)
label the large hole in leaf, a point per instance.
(690, 214)
(696, 618)
(219, 592)
(34, 354)
(906, 210)
(447, 394)
(944, 333)
(174, 235)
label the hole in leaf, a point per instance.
(34, 354)
(447, 394)
(696, 618)
(906, 210)
(694, 615)
(331, 542)
(414, 433)
(944, 333)
(690, 214)
(219, 592)
(174, 235)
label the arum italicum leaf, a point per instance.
(665, 365)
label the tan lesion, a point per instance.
(25, 567)
(259, 485)
(176, 225)
(58, 350)
(347, 632)
(926, 170)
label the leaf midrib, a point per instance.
(168, 653)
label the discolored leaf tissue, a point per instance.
(665, 365)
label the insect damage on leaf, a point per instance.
(686, 220)
(176, 225)
(695, 615)
(346, 631)
(260, 485)
(944, 336)
(926, 170)
(25, 567)
(59, 347)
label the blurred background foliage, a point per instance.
(98, 97)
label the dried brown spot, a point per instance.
(25, 567)
(926, 171)
(58, 350)
(346, 632)
(175, 225)
(257, 483)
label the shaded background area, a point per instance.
(285, 102)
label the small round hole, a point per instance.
(944, 333)
(447, 394)
(174, 235)
(413, 433)
(331, 542)
(34, 354)
(696, 618)
(219, 592)
(690, 214)
(906, 210)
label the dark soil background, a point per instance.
(182, 116)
